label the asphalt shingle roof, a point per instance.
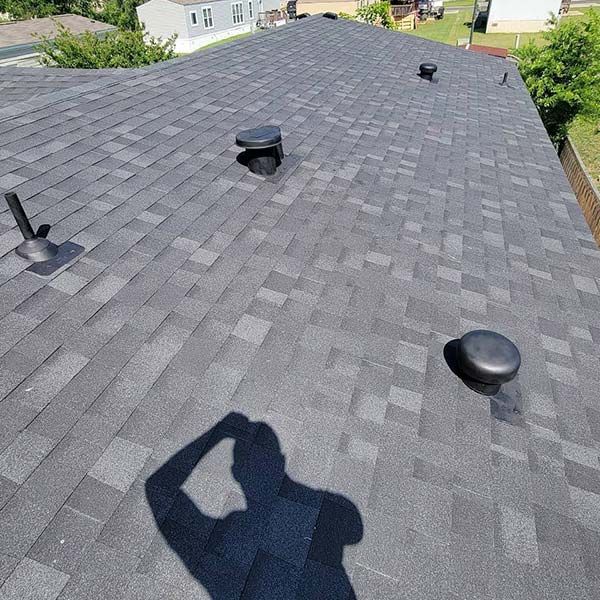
(18, 84)
(317, 304)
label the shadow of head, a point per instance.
(257, 455)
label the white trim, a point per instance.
(195, 18)
(237, 14)
(209, 16)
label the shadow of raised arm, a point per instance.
(164, 487)
(171, 476)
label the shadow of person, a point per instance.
(288, 541)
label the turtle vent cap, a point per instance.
(426, 70)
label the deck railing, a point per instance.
(401, 10)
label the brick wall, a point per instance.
(583, 186)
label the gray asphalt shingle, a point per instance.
(318, 302)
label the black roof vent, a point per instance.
(263, 149)
(505, 80)
(486, 360)
(426, 70)
(330, 15)
(303, 16)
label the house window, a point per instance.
(207, 17)
(237, 11)
(250, 10)
(194, 17)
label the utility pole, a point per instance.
(473, 22)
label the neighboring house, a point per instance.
(18, 38)
(521, 15)
(200, 23)
(314, 7)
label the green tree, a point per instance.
(376, 14)
(27, 9)
(563, 75)
(116, 49)
(121, 13)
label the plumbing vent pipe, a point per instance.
(33, 247)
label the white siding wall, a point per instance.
(526, 10)
(222, 17)
(26, 60)
(271, 5)
(163, 18)
(223, 26)
(520, 15)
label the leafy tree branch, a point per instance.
(563, 76)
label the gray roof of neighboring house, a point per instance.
(15, 33)
(319, 302)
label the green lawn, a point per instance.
(586, 137)
(217, 43)
(454, 26)
(452, 3)
(225, 41)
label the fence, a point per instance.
(583, 186)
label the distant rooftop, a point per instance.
(318, 304)
(15, 33)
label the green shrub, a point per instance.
(563, 76)
(376, 14)
(120, 48)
